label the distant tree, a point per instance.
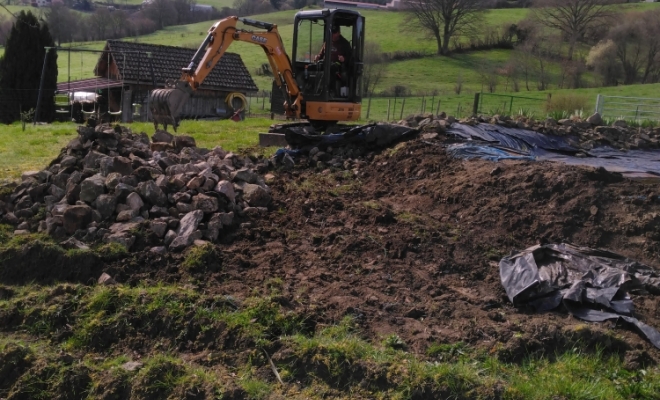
(184, 11)
(445, 19)
(118, 23)
(162, 12)
(5, 27)
(374, 67)
(100, 23)
(277, 4)
(20, 70)
(637, 43)
(602, 58)
(63, 23)
(575, 19)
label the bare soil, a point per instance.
(409, 244)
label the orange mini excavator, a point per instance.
(321, 91)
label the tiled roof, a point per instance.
(87, 85)
(229, 74)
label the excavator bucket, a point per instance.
(166, 104)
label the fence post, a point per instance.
(511, 105)
(599, 109)
(475, 105)
(422, 111)
(368, 107)
(403, 104)
(393, 109)
(388, 108)
(437, 110)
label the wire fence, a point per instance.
(628, 108)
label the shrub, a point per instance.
(568, 103)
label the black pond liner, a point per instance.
(494, 142)
(592, 284)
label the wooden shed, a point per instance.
(126, 72)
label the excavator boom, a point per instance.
(166, 104)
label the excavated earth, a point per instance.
(408, 242)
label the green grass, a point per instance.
(335, 357)
(34, 148)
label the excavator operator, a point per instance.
(340, 56)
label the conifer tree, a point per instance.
(20, 70)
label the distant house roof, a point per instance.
(229, 74)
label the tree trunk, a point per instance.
(438, 40)
(445, 43)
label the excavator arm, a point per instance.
(166, 104)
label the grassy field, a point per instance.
(35, 147)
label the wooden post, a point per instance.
(437, 110)
(394, 108)
(475, 105)
(403, 104)
(423, 108)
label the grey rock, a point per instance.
(158, 228)
(106, 204)
(181, 197)
(160, 250)
(244, 175)
(620, 123)
(195, 182)
(227, 219)
(205, 203)
(122, 191)
(68, 161)
(23, 225)
(226, 188)
(134, 201)
(76, 217)
(75, 177)
(188, 224)
(92, 187)
(123, 238)
(256, 196)
(162, 137)
(57, 192)
(156, 212)
(183, 241)
(23, 203)
(120, 165)
(21, 232)
(288, 162)
(184, 141)
(169, 237)
(595, 119)
(152, 193)
(112, 180)
(92, 159)
(184, 208)
(127, 215)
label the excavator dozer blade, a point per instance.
(166, 104)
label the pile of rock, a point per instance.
(108, 183)
(587, 133)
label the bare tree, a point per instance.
(445, 19)
(100, 23)
(62, 22)
(575, 19)
(374, 67)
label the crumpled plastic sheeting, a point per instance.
(373, 135)
(591, 284)
(632, 163)
(486, 152)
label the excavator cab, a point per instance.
(331, 89)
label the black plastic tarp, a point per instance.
(486, 141)
(592, 284)
(373, 135)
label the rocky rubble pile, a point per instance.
(108, 184)
(586, 133)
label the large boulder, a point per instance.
(244, 175)
(121, 165)
(162, 137)
(93, 159)
(189, 222)
(134, 201)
